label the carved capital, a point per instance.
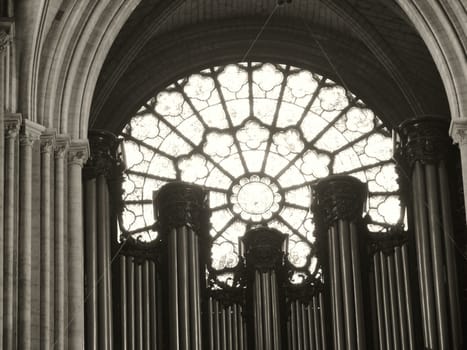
(62, 143)
(30, 132)
(4, 40)
(339, 197)
(12, 125)
(424, 139)
(264, 248)
(179, 204)
(78, 152)
(458, 131)
(104, 158)
(47, 141)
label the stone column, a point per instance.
(423, 147)
(181, 211)
(30, 132)
(4, 39)
(77, 156)
(264, 253)
(60, 324)
(339, 202)
(46, 302)
(12, 125)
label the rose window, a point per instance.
(257, 136)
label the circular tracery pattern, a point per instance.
(257, 136)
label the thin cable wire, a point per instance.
(333, 67)
(325, 54)
(117, 253)
(259, 33)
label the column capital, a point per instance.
(458, 131)
(339, 197)
(30, 132)
(4, 40)
(423, 139)
(179, 204)
(48, 140)
(12, 125)
(62, 142)
(78, 152)
(264, 248)
(104, 158)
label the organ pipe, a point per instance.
(264, 263)
(422, 151)
(339, 202)
(181, 211)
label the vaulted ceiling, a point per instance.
(367, 45)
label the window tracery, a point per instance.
(258, 136)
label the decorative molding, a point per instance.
(264, 248)
(339, 197)
(4, 40)
(104, 158)
(30, 132)
(78, 152)
(386, 241)
(12, 124)
(229, 296)
(179, 204)
(6, 32)
(458, 131)
(141, 251)
(62, 142)
(48, 140)
(423, 139)
(304, 292)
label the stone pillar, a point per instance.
(60, 323)
(4, 39)
(339, 202)
(77, 156)
(29, 134)
(181, 211)
(103, 166)
(46, 302)
(423, 147)
(12, 125)
(264, 254)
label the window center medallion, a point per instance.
(255, 198)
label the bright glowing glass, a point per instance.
(224, 128)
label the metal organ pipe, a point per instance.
(423, 149)
(339, 202)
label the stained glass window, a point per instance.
(258, 136)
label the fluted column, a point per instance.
(77, 156)
(103, 166)
(264, 253)
(46, 304)
(4, 39)
(423, 147)
(181, 211)
(29, 134)
(60, 243)
(12, 125)
(339, 202)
